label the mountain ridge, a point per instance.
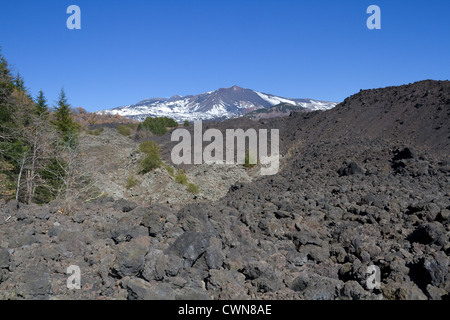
(221, 104)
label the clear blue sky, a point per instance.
(130, 50)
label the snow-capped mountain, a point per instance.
(221, 104)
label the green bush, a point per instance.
(181, 177)
(193, 188)
(170, 170)
(186, 123)
(150, 147)
(153, 156)
(124, 130)
(149, 163)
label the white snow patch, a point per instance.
(273, 99)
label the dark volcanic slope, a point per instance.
(417, 114)
(364, 184)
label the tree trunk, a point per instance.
(20, 176)
(30, 186)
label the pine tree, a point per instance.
(6, 89)
(20, 83)
(63, 119)
(41, 104)
(12, 147)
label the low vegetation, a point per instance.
(95, 132)
(181, 178)
(124, 130)
(158, 125)
(170, 170)
(131, 182)
(152, 159)
(193, 188)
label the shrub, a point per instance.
(143, 134)
(193, 188)
(186, 123)
(149, 163)
(181, 177)
(170, 170)
(124, 130)
(150, 147)
(153, 158)
(131, 182)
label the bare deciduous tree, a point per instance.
(74, 174)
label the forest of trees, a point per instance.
(39, 157)
(157, 125)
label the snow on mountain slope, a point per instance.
(224, 103)
(274, 100)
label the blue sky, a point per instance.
(130, 50)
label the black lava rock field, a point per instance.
(359, 210)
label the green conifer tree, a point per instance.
(63, 119)
(20, 83)
(41, 104)
(6, 89)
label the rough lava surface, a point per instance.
(366, 183)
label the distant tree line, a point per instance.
(158, 125)
(92, 120)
